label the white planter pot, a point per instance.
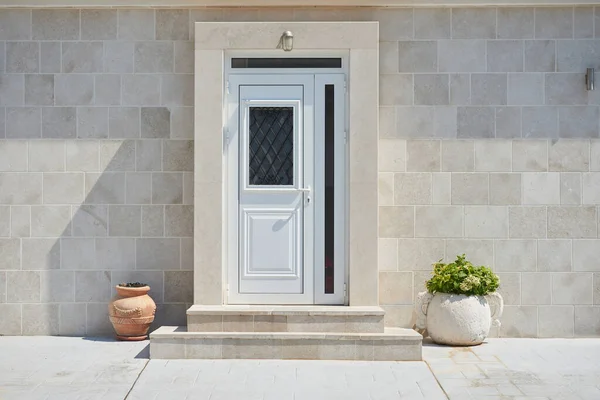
(456, 319)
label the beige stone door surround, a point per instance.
(212, 41)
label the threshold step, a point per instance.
(396, 344)
(251, 318)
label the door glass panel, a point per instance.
(271, 146)
(329, 187)
(286, 63)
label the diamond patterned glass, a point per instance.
(271, 146)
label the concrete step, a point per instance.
(395, 344)
(245, 318)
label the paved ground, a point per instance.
(33, 368)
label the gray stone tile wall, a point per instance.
(489, 145)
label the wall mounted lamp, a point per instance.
(287, 41)
(589, 79)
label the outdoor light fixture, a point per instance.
(287, 41)
(589, 79)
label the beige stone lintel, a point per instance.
(286, 3)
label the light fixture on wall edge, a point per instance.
(589, 79)
(287, 41)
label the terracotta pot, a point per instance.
(131, 312)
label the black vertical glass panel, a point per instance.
(286, 63)
(271, 146)
(329, 186)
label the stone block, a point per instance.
(40, 319)
(461, 55)
(396, 221)
(115, 254)
(510, 287)
(172, 24)
(141, 90)
(41, 254)
(82, 57)
(178, 155)
(63, 188)
(10, 250)
(519, 321)
(50, 55)
(418, 56)
(82, 156)
(445, 123)
(184, 58)
(20, 221)
(105, 188)
(527, 222)
(515, 255)
(39, 90)
(78, 253)
(148, 155)
(493, 156)
(399, 316)
(90, 220)
(179, 286)
(16, 24)
(55, 24)
(124, 122)
(10, 324)
(525, 89)
(423, 155)
(153, 57)
(395, 24)
(98, 24)
(136, 24)
(578, 122)
(431, 89)
(182, 123)
(591, 188)
(59, 123)
(505, 56)
(158, 254)
(554, 255)
(470, 188)
(554, 23)
(412, 188)
(419, 254)
(22, 57)
(540, 55)
(155, 122)
(587, 321)
(439, 221)
(395, 288)
(460, 89)
(585, 255)
(12, 89)
(57, 286)
(108, 90)
(583, 23)
(474, 23)
(74, 90)
(153, 221)
(179, 221)
(508, 122)
(50, 221)
(124, 221)
(475, 122)
(541, 188)
(117, 155)
(23, 123)
(572, 222)
(595, 155)
(385, 188)
(489, 89)
(556, 321)
(394, 90)
(486, 222)
(20, 188)
(92, 286)
(97, 320)
(565, 89)
(415, 122)
(92, 123)
(13, 156)
(432, 23)
(441, 192)
(4, 221)
(572, 288)
(23, 286)
(167, 188)
(138, 188)
(72, 319)
(569, 155)
(388, 58)
(530, 155)
(515, 23)
(387, 250)
(118, 57)
(536, 288)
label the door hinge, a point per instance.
(345, 85)
(226, 135)
(345, 291)
(345, 136)
(227, 87)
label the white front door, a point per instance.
(276, 190)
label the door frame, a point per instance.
(315, 280)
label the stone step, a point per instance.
(244, 318)
(395, 344)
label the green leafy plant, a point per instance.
(462, 277)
